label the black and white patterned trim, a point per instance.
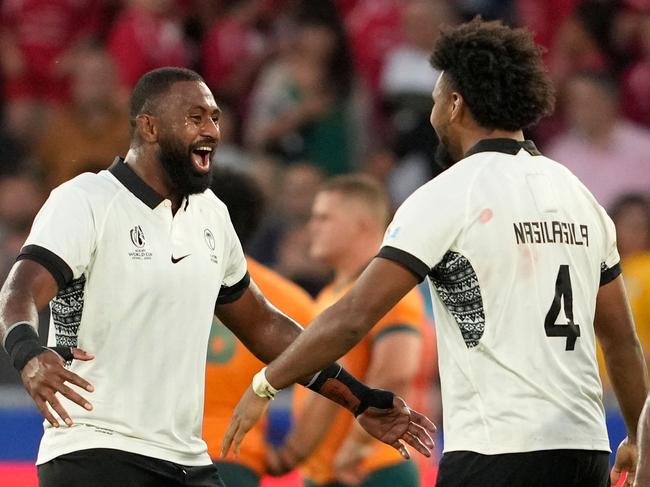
(457, 285)
(67, 308)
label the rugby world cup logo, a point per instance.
(137, 236)
(209, 239)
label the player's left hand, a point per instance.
(248, 412)
(626, 459)
(398, 425)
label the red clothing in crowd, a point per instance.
(43, 30)
(636, 93)
(544, 18)
(228, 45)
(140, 41)
(374, 27)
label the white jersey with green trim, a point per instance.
(515, 249)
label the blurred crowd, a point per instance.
(315, 88)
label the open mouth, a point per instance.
(201, 158)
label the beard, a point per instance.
(176, 160)
(442, 157)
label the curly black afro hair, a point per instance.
(498, 71)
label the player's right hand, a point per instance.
(399, 425)
(626, 460)
(45, 375)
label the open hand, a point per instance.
(398, 425)
(248, 412)
(45, 375)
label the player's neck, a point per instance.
(149, 169)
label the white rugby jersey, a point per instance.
(138, 288)
(515, 249)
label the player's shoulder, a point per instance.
(96, 188)
(211, 203)
(454, 181)
(563, 178)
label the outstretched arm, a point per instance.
(382, 414)
(342, 325)
(625, 366)
(28, 288)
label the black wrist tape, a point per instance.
(22, 345)
(65, 352)
(335, 383)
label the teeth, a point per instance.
(204, 148)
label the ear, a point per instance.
(147, 128)
(457, 106)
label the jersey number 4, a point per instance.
(563, 293)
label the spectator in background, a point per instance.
(543, 19)
(631, 215)
(583, 40)
(37, 38)
(233, 51)
(304, 105)
(348, 220)
(144, 37)
(488, 9)
(374, 30)
(85, 134)
(283, 240)
(21, 196)
(608, 154)
(232, 154)
(636, 82)
(230, 365)
(406, 83)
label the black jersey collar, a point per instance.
(506, 146)
(131, 181)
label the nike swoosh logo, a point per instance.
(176, 261)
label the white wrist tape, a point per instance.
(261, 386)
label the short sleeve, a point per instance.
(236, 278)
(63, 235)
(610, 267)
(424, 228)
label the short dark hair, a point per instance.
(499, 72)
(153, 84)
(243, 197)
